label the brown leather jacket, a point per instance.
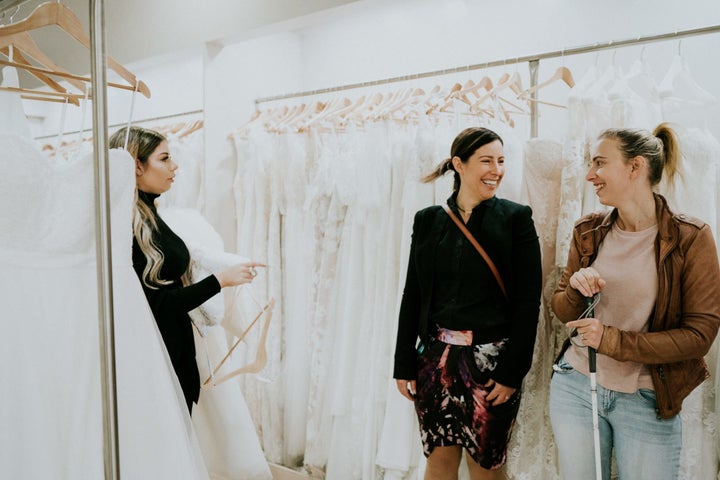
(686, 316)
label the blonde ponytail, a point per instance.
(671, 151)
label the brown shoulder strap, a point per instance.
(480, 250)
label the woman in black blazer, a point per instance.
(476, 344)
(160, 257)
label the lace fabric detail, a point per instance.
(58, 191)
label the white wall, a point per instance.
(404, 37)
(234, 77)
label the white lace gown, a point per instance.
(399, 450)
(188, 188)
(259, 239)
(224, 427)
(327, 221)
(696, 193)
(51, 410)
(531, 452)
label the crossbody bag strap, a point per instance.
(480, 250)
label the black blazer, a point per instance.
(507, 233)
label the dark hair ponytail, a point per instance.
(463, 147)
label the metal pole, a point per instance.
(98, 70)
(534, 66)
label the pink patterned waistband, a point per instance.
(455, 337)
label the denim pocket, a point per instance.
(562, 366)
(648, 396)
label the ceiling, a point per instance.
(141, 29)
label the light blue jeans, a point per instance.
(646, 447)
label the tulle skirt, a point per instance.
(51, 411)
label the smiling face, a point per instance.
(481, 175)
(157, 174)
(610, 173)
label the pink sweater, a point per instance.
(626, 261)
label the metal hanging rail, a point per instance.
(134, 122)
(508, 61)
(98, 69)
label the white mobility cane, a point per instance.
(590, 303)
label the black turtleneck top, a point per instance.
(171, 303)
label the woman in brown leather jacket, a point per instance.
(658, 282)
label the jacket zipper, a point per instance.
(661, 372)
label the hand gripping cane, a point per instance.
(590, 312)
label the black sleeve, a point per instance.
(408, 324)
(525, 291)
(169, 302)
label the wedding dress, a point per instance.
(695, 192)
(225, 430)
(531, 452)
(258, 237)
(188, 188)
(52, 415)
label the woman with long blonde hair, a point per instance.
(161, 259)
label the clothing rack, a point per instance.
(134, 122)
(533, 61)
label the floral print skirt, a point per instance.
(451, 400)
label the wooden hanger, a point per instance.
(562, 73)
(21, 62)
(334, 105)
(512, 82)
(190, 128)
(24, 44)
(363, 112)
(45, 96)
(470, 88)
(57, 14)
(44, 74)
(448, 101)
(415, 96)
(432, 101)
(342, 116)
(260, 357)
(282, 121)
(300, 122)
(402, 97)
(507, 80)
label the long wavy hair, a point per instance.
(141, 143)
